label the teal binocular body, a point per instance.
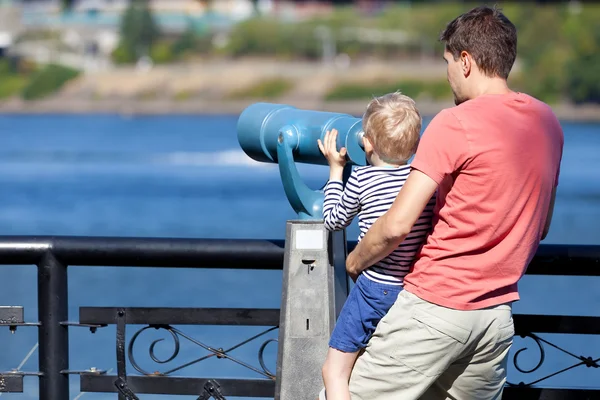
(282, 134)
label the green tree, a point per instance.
(139, 30)
(582, 81)
(67, 4)
(255, 5)
(543, 51)
(187, 42)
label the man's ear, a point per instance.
(466, 63)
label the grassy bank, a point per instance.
(417, 89)
(267, 89)
(30, 82)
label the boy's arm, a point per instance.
(341, 204)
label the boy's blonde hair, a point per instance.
(392, 123)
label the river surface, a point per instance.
(185, 176)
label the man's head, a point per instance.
(480, 45)
(392, 125)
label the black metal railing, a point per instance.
(557, 260)
(52, 255)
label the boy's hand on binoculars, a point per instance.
(336, 159)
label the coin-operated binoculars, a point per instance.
(285, 135)
(315, 283)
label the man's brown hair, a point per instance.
(487, 35)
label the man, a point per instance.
(494, 159)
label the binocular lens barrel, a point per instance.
(260, 125)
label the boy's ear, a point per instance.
(367, 145)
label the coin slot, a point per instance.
(310, 264)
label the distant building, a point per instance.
(10, 27)
(5, 43)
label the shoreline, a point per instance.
(214, 87)
(126, 107)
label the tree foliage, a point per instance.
(67, 4)
(139, 31)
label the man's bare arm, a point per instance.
(549, 215)
(391, 228)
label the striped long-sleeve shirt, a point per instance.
(369, 192)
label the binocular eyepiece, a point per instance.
(285, 135)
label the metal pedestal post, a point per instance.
(314, 289)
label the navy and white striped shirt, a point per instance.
(370, 192)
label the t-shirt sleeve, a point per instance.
(560, 152)
(557, 175)
(443, 147)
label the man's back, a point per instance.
(496, 159)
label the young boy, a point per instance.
(391, 126)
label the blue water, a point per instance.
(185, 176)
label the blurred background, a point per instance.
(199, 56)
(118, 118)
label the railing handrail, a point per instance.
(265, 254)
(144, 252)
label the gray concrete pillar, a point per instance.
(314, 288)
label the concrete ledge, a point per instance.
(214, 107)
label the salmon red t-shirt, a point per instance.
(496, 159)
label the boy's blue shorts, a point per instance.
(366, 304)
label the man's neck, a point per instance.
(490, 86)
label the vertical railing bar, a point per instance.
(53, 338)
(121, 361)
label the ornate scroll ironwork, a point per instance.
(582, 360)
(176, 334)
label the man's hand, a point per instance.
(335, 159)
(352, 274)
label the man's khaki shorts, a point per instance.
(423, 351)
